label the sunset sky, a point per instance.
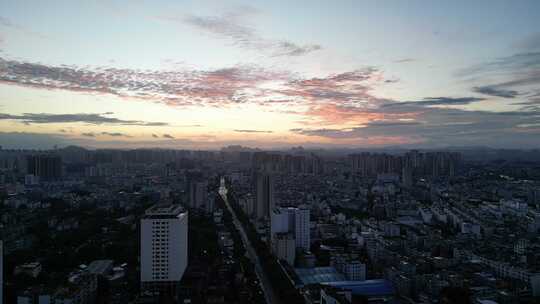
(269, 74)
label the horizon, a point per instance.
(203, 75)
(321, 150)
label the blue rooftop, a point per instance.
(366, 288)
(318, 275)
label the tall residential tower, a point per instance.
(264, 190)
(164, 247)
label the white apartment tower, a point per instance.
(301, 230)
(292, 220)
(164, 244)
(284, 247)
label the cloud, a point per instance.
(437, 101)
(252, 131)
(443, 127)
(428, 121)
(168, 136)
(392, 123)
(178, 88)
(348, 88)
(189, 126)
(334, 114)
(323, 132)
(232, 27)
(405, 60)
(341, 105)
(89, 118)
(521, 62)
(115, 134)
(508, 77)
(494, 91)
(221, 87)
(155, 136)
(286, 48)
(89, 134)
(368, 108)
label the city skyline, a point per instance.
(202, 75)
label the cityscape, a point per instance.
(246, 226)
(270, 152)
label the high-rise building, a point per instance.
(419, 164)
(354, 271)
(292, 220)
(264, 190)
(407, 176)
(301, 222)
(198, 194)
(164, 242)
(282, 220)
(48, 167)
(1, 272)
(284, 247)
(248, 205)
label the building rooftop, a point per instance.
(160, 211)
(318, 275)
(100, 267)
(366, 288)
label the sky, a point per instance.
(269, 74)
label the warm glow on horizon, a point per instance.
(208, 75)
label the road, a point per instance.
(269, 293)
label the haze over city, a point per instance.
(203, 74)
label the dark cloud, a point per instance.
(437, 101)
(168, 136)
(115, 134)
(521, 62)
(510, 76)
(232, 27)
(527, 79)
(155, 136)
(89, 118)
(252, 131)
(494, 91)
(445, 126)
(324, 132)
(390, 123)
(89, 134)
(405, 60)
